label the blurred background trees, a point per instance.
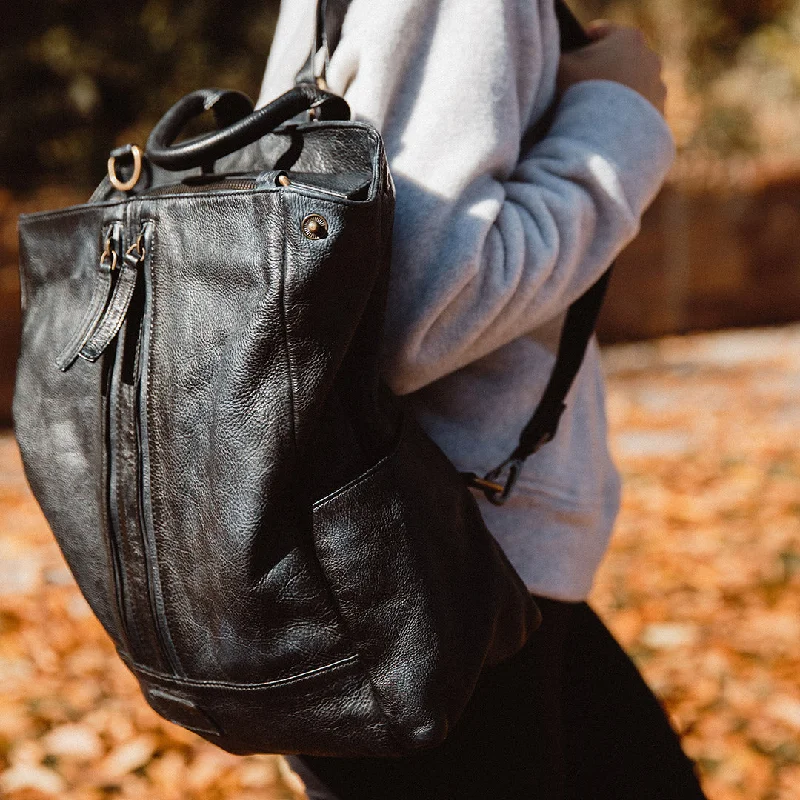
(733, 71)
(79, 76)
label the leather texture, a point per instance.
(283, 558)
(105, 279)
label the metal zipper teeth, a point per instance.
(112, 500)
(243, 184)
(200, 188)
(146, 533)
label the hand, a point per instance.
(617, 53)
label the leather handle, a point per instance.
(240, 124)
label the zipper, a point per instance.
(111, 499)
(334, 186)
(105, 281)
(226, 184)
(131, 538)
(142, 523)
(110, 321)
(113, 364)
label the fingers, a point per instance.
(619, 53)
(599, 29)
(602, 29)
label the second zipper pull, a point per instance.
(117, 308)
(105, 278)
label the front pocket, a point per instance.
(61, 417)
(426, 595)
(382, 540)
(128, 535)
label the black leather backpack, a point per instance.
(283, 558)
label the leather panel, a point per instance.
(241, 592)
(429, 575)
(60, 417)
(327, 710)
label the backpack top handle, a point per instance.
(242, 125)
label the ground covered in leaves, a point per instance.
(701, 586)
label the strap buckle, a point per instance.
(496, 487)
(135, 152)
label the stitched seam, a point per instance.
(105, 509)
(388, 721)
(284, 329)
(376, 467)
(246, 687)
(103, 336)
(81, 332)
(93, 308)
(169, 645)
(324, 576)
(67, 212)
(129, 529)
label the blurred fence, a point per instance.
(718, 248)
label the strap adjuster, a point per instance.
(496, 488)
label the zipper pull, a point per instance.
(105, 278)
(114, 315)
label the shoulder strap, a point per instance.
(581, 316)
(579, 325)
(328, 30)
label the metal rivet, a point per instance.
(315, 226)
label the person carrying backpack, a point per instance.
(496, 234)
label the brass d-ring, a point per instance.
(126, 186)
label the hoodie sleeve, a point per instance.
(490, 242)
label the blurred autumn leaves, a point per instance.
(702, 586)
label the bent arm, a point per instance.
(491, 242)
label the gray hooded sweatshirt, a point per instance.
(492, 242)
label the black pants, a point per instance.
(568, 718)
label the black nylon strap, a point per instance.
(328, 30)
(579, 325)
(330, 18)
(581, 317)
(571, 31)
